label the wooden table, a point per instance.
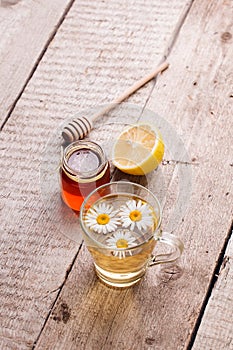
(61, 57)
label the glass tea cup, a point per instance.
(121, 223)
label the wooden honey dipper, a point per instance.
(79, 127)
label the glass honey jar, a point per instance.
(84, 168)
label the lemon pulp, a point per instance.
(139, 149)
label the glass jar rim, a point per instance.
(80, 144)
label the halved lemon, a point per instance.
(139, 149)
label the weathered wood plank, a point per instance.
(202, 111)
(26, 27)
(76, 72)
(160, 312)
(216, 329)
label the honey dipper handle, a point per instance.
(142, 82)
(163, 66)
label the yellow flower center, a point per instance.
(122, 243)
(135, 215)
(103, 219)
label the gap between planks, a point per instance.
(12, 107)
(171, 44)
(59, 289)
(222, 255)
(166, 54)
(219, 265)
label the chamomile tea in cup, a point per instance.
(121, 223)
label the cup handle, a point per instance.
(172, 241)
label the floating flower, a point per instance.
(121, 240)
(101, 218)
(136, 213)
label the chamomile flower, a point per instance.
(121, 240)
(102, 218)
(136, 214)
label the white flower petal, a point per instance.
(139, 204)
(95, 211)
(131, 204)
(112, 241)
(132, 225)
(146, 215)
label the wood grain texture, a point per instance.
(202, 108)
(100, 49)
(160, 313)
(216, 330)
(6, 3)
(26, 27)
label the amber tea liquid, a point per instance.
(121, 268)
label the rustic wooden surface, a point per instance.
(203, 113)
(216, 327)
(26, 29)
(50, 297)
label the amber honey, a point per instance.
(84, 168)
